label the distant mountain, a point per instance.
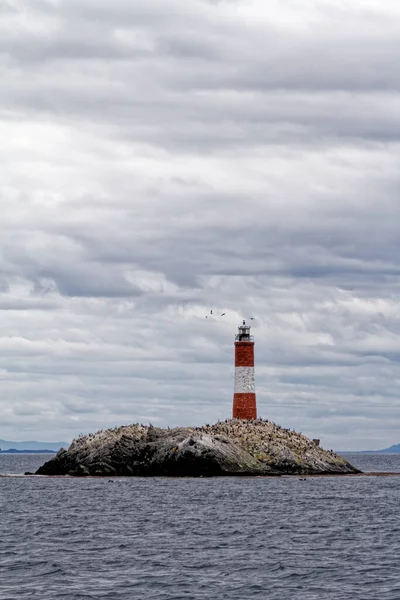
(26, 451)
(6, 445)
(395, 449)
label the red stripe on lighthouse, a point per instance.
(244, 406)
(244, 354)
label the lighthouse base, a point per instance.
(244, 406)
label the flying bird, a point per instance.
(223, 314)
(211, 312)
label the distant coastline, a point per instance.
(27, 451)
(395, 449)
(30, 446)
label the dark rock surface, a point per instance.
(227, 448)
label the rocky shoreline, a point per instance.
(231, 447)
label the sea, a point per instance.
(288, 538)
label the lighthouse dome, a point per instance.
(243, 334)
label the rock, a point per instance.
(228, 448)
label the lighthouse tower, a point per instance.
(244, 397)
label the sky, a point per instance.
(161, 159)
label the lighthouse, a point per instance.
(244, 397)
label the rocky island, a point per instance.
(232, 447)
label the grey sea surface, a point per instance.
(327, 538)
(375, 463)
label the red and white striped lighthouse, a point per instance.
(244, 397)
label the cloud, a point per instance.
(162, 159)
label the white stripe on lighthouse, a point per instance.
(244, 380)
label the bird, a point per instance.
(251, 318)
(223, 314)
(211, 312)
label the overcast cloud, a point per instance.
(162, 158)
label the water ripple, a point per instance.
(231, 539)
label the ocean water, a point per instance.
(374, 463)
(326, 538)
